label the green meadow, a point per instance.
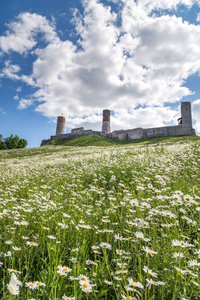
(92, 218)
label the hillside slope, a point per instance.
(96, 140)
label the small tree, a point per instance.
(12, 142)
(22, 143)
(2, 146)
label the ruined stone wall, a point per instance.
(130, 134)
(139, 133)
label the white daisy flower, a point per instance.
(134, 283)
(14, 285)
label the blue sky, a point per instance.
(78, 57)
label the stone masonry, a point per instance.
(184, 127)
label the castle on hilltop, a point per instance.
(184, 127)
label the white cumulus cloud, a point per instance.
(21, 35)
(133, 62)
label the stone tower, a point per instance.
(186, 114)
(106, 121)
(60, 129)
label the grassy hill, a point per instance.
(96, 140)
(96, 219)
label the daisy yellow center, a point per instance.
(15, 270)
(128, 298)
(30, 284)
(154, 282)
(85, 285)
(83, 278)
(134, 282)
(10, 286)
(65, 269)
(89, 262)
(120, 271)
(32, 243)
(39, 283)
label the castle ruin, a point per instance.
(184, 127)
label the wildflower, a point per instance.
(67, 298)
(160, 283)
(106, 245)
(73, 278)
(105, 220)
(83, 278)
(193, 263)
(196, 283)
(63, 270)
(140, 235)
(31, 285)
(75, 250)
(13, 271)
(8, 254)
(38, 283)
(14, 285)
(8, 242)
(177, 243)
(118, 237)
(191, 273)
(117, 278)
(85, 286)
(150, 282)
(120, 252)
(149, 271)
(128, 288)
(181, 271)
(178, 254)
(134, 283)
(90, 262)
(187, 245)
(24, 223)
(121, 272)
(149, 251)
(127, 297)
(51, 237)
(108, 282)
(31, 244)
(63, 225)
(95, 247)
(121, 265)
(16, 248)
(73, 259)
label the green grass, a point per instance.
(96, 140)
(109, 212)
